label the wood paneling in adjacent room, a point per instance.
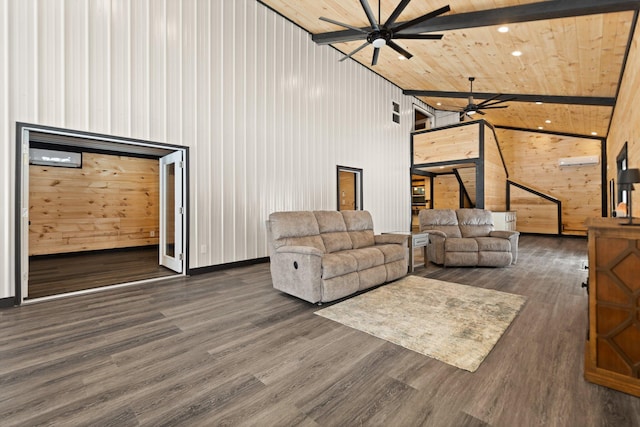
(111, 202)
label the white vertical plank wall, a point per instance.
(267, 114)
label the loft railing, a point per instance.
(536, 193)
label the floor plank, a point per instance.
(225, 348)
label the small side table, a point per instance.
(417, 240)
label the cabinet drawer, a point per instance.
(420, 240)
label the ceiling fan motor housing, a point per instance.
(379, 38)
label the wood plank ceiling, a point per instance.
(573, 55)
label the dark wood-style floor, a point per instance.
(53, 275)
(225, 348)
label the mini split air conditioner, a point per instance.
(578, 161)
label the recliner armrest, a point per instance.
(435, 233)
(503, 234)
(398, 239)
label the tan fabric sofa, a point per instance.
(322, 256)
(465, 237)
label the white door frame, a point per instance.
(74, 138)
(172, 217)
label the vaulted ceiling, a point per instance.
(566, 80)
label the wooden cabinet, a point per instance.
(504, 221)
(612, 353)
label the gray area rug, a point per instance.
(456, 324)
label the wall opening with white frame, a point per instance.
(172, 219)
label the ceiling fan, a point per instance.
(488, 104)
(379, 34)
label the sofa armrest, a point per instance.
(297, 270)
(435, 233)
(503, 234)
(302, 250)
(399, 239)
(513, 237)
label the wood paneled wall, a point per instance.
(534, 214)
(532, 160)
(495, 175)
(468, 178)
(111, 202)
(446, 192)
(625, 125)
(455, 143)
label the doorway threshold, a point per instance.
(28, 301)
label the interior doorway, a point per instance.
(109, 221)
(349, 188)
(422, 119)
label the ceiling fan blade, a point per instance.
(396, 12)
(370, 16)
(420, 19)
(418, 36)
(351, 27)
(489, 100)
(486, 103)
(358, 49)
(376, 52)
(491, 108)
(480, 112)
(398, 49)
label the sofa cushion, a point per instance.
(494, 259)
(360, 227)
(340, 286)
(461, 259)
(493, 244)
(296, 228)
(367, 257)
(444, 220)
(474, 222)
(460, 244)
(392, 252)
(333, 230)
(338, 264)
(372, 277)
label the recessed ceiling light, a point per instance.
(594, 133)
(547, 121)
(516, 53)
(438, 103)
(503, 29)
(402, 57)
(538, 102)
(540, 127)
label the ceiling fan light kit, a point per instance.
(379, 35)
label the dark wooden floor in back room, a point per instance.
(52, 275)
(225, 348)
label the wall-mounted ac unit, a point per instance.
(577, 161)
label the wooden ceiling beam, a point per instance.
(547, 99)
(522, 13)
